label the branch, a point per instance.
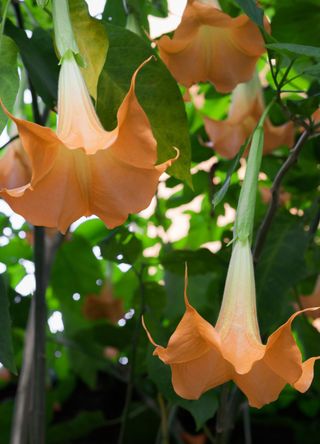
(275, 190)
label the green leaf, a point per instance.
(156, 91)
(252, 10)
(9, 79)
(92, 40)
(76, 428)
(121, 246)
(218, 197)
(280, 267)
(301, 50)
(202, 409)
(297, 22)
(6, 347)
(39, 59)
(115, 13)
(199, 262)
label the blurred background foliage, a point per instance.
(103, 280)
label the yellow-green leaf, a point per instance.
(92, 40)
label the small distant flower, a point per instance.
(103, 306)
(209, 45)
(83, 169)
(247, 106)
(313, 300)
(202, 357)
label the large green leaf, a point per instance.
(297, 21)
(40, 60)
(92, 40)
(6, 348)
(280, 267)
(9, 79)
(156, 91)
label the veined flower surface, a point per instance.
(247, 106)
(83, 169)
(210, 45)
(202, 357)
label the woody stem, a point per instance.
(275, 190)
(40, 318)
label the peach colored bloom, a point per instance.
(284, 196)
(313, 300)
(202, 356)
(247, 106)
(103, 306)
(82, 169)
(210, 45)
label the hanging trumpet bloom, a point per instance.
(82, 169)
(209, 45)
(202, 357)
(246, 108)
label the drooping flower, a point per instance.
(83, 169)
(209, 45)
(247, 106)
(202, 357)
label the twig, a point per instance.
(275, 191)
(9, 141)
(163, 435)
(132, 362)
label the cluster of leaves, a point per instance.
(91, 362)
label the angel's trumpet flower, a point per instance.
(82, 169)
(202, 357)
(247, 106)
(209, 45)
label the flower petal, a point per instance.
(226, 49)
(15, 170)
(191, 379)
(306, 378)
(282, 353)
(78, 123)
(261, 385)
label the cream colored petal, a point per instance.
(237, 323)
(78, 123)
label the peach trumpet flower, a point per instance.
(83, 169)
(202, 357)
(247, 106)
(209, 45)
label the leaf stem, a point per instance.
(4, 17)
